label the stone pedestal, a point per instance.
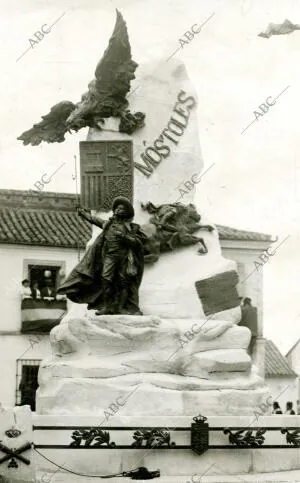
(153, 366)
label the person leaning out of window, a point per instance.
(25, 289)
(35, 292)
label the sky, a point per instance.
(254, 183)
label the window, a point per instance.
(27, 381)
(43, 280)
(44, 277)
(41, 307)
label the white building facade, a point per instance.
(280, 376)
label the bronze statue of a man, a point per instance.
(109, 275)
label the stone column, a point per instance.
(167, 158)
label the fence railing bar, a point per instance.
(179, 446)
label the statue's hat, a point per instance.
(122, 200)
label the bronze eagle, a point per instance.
(106, 96)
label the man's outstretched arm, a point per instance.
(86, 215)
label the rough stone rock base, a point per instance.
(94, 397)
(150, 365)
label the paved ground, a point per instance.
(279, 477)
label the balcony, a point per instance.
(41, 315)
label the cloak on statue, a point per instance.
(84, 284)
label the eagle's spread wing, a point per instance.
(116, 68)
(52, 128)
(106, 96)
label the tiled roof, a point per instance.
(275, 363)
(293, 347)
(41, 218)
(228, 233)
(43, 227)
(50, 219)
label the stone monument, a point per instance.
(151, 338)
(181, 349)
